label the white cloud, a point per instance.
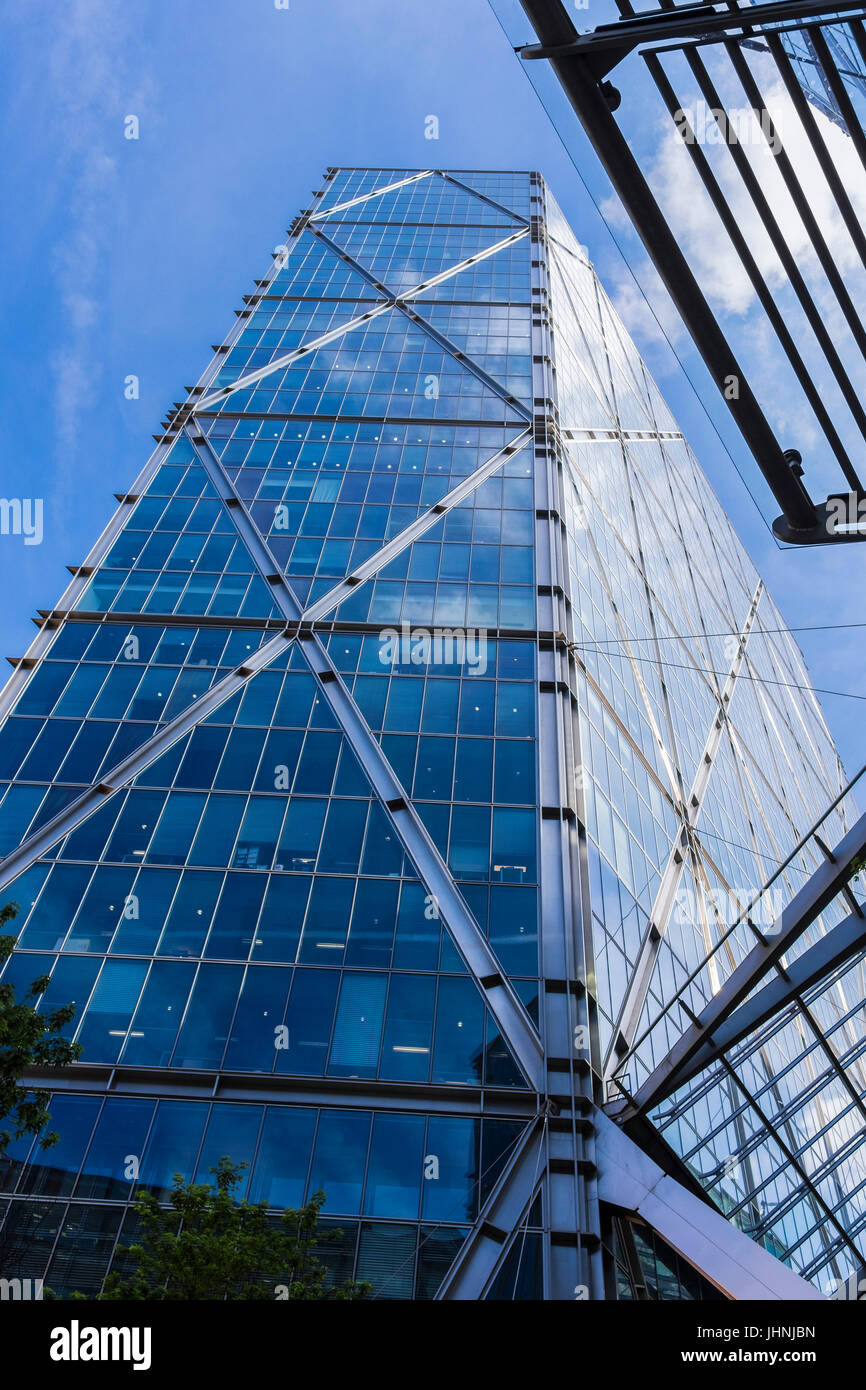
(88, 70)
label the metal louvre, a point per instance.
(777, 158)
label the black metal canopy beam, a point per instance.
(828, 880)
(684, 22)
(581, 62)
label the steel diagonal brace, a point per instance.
(391, 301)
(828, 880)
(402, 297)
(414, 530)
(515, 1024)
(481, 961)
(375, 193)
(124, 772)
(483, 197)
(432, 280)
(322, 340)
(486, 1246)
(517, 1028)
(639, 983)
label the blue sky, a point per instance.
(127, 256)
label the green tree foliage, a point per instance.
(212, 1246)
(27, 1039)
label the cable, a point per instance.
(687, 636)
(741, 676)
(701, 833)
(759, 680)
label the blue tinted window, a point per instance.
(327, 923)
(234, 924)
(18, 735)
(395, 1166)
(279, 928)
(257, 1029)
(144, 912)
(118, 1139)
(239, 764)
(358, 1025)
(280, 1175)
(58, 905)
(201, 759)
(408, 1028)
(88, 841)
(218, 830)
(101, 909)
(383, 850)
(176, 828)
(416, 945)
(172, 1146)
(231, 1132)
(448, 1189)
(302, 830)
(71, 982)
(19, 808)
(440, 707)
(110, 1009)
(52, 1172)
(473, 769)
(135, 826)
(469, 849)
(515, 772)
(373, 920)
(205, 1030)
(308, 1020)
(190, 916)
(259, 832)
(476, 706)
(343, 837)
(159, 1014)
(513, 846)
(459, 1044)
(84, 758)
(338, 1159)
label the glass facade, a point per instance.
(285, 776)
(850, 63)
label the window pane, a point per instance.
(257, 1028)
(172, 1146)
(115, 1153)
(358, 1028)
(394, 1170)
(280, 1174)
(339, 1159)
(308, 1019)
(52, 1172)
(205, 1030)
(451, 1169)
(409, 1028)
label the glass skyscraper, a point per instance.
(411, 737)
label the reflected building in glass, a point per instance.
(387, 767)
